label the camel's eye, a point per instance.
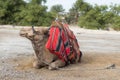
(38, 37)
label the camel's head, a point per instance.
(34, 33)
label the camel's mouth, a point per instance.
(22, 34)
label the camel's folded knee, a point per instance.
(38, 65)
(56, 64)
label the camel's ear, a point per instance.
(33, 29)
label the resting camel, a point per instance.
(43, 57)
(38, 38)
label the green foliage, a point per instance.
(21, 13)
(36, 1)
(96, 17)
(32, 14)
(57, 8)
(116, 23)
(72, 17)
(80, 8)
(8, 9)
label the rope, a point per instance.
(112, 66)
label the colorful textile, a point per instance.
(75, 54)
(63, 43)
(58, 43)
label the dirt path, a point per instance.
(100, 50)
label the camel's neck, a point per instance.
(38, 46)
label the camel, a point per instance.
(43, 57)
(38, 37)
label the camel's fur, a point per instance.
(43, 56)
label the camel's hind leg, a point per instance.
(56, 64)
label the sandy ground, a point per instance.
(100, 50)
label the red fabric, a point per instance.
(70, 34)
(73, 40)
(58, 43)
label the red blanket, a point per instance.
(60, 41)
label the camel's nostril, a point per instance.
(21, 34)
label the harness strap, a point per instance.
(52, 37)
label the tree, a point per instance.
(115, 9)
(57, 11)
(57, 8)
(36, 1)
(22, 13)
(73, 15)
(94, 18)
(80, 8)
(8, 10)
(115, 20)
(116, 24)
(35, 13)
